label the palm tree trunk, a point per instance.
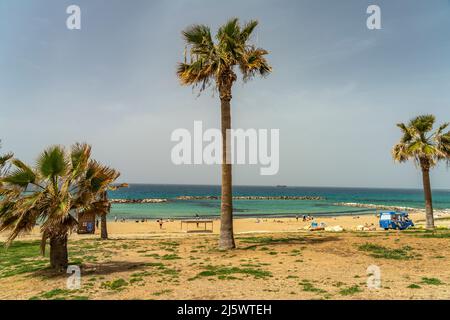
(226, 240)
(103, 227)
(58, 253)
(428, 198)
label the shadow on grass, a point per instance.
(100, 269)
(264, 241)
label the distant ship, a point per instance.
(281, 186)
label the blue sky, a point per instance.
(336, 92)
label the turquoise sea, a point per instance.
(188, 208)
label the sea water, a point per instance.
(174, 208)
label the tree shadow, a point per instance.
(265, 241)
(97, 269)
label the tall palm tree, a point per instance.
(426, 148)
(60, 185)
(214, 62)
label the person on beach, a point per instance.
(197, 217)
(160, 223)
(115, 219)
(296, 217)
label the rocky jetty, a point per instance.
(375, 206)
(138, 200)
(252, 198)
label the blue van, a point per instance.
(395, 220)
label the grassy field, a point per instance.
(413, 264)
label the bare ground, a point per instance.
(294, 265)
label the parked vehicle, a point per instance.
(395, 220)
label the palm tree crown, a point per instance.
(60, 185)
(215, 61)
(419, 143)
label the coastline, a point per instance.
(134, 228)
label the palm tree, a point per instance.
(426, 148)
(103, 214)
(60, 185)
(213, 62)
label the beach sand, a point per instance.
(274, 259)
(132, 229)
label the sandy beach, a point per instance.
(135, 228)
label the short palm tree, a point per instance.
(426, 148)
(59, 187)
(214, 62)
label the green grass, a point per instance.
(437, 234)
(212, 271)
(159, 293)
(136, 279)
(59, 294)
(431, 281)
(118, 284)
(55, 293)
(228, 278)
(350, 290)
(170, 257)
(140, 274)
(378, 251)
(414, 286)
(21, 257)
(309, 287)
(268, 240)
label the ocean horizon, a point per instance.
(327, 206)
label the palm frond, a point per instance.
(79, 156)
(21, 176)
(5, 158)
(247, 30)
(199, 37)
(253, 63)
(52, 162)
(423, 123)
